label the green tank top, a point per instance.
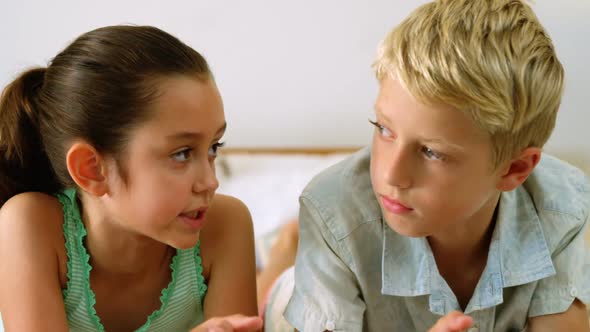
(181, 302)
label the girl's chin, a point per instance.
(185, 243)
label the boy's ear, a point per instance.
(87, 168)
(519, 169)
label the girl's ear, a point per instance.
(87, 168)
(519, 168)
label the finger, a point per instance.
(221, 325)
(241, 323)
(214, 325)
(216, 329)
(461, 323)
(455, 321)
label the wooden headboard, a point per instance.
(290, 150)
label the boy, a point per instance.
(453, 207)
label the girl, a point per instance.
(109, 218)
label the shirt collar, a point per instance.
(518, 255)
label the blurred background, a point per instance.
(293, 75)
(298, 70)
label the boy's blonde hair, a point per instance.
(489, 58)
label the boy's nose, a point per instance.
(399, 169)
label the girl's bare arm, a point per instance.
(30, 286)
(228, 242)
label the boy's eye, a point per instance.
(382, 130)
(213, 149)
(431, 154)
(182, 155)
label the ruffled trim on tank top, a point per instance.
(72, 211)
(65, 198)
(164, 297)
(202, 286)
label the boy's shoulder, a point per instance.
(344, 192)
(561, 196)
(558, 187)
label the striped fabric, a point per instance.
(181, 302)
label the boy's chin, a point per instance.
(404, 227)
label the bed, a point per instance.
(269, 182)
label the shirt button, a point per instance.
(574, 292)
(330, 326)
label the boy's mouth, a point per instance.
(394, 206)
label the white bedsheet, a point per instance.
(270, 184)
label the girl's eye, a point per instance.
(382, 130)
(431, 154)
(213, 149)
(182, 155)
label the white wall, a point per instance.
(299, 70)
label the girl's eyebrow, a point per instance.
(183, 135)
(222, 128)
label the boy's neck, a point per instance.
(461, 257)
(469, 245)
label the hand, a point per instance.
(455, 321)
(233, 323)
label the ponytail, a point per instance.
(98, 89)
(24, 166)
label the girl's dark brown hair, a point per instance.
(98, 89)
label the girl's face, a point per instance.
(170, 173)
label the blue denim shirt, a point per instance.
(354, 273)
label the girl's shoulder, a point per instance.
(32, 213)
(226, 215)
(31, 223)
(224, 207)
(227, 253)
(228, 225)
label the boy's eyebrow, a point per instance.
(446, 143)
(380, 113)
(443, 142)
(194, 135)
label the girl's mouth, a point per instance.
(194, 219)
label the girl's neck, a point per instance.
(117, 251)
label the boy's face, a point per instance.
(431, 167)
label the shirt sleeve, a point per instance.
(326, 296)
(556, 294)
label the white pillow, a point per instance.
(270, 184)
